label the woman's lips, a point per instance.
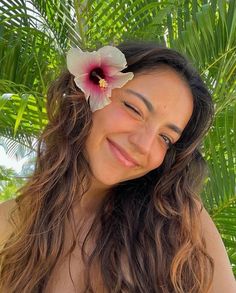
(121, 155)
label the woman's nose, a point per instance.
(143, 140)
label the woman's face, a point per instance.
(130, 136)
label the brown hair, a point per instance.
(153, 220)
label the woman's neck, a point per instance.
(91, 200)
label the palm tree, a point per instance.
(36, 34)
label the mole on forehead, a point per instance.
(151, 109)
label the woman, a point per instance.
(113, 204)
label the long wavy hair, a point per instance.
(152, 220)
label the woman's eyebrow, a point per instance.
(145, 100)
(150, 108)
(174, 128)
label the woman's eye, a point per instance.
(132, 108)
(167, 141)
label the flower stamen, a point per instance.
(102, 82)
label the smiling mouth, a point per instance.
(121, 155)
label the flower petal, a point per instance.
(120, 79)
(79, 62)
(83, 82)
(112, 57)
(98, 101)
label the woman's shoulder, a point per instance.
(6, 208)
(223, 279)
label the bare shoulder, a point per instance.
(6, 208)
(223, 280)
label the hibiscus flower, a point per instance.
(97, 73)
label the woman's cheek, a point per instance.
(157, 158)
(120, 117)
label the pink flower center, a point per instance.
(96, 75)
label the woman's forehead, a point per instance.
(163, 92)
